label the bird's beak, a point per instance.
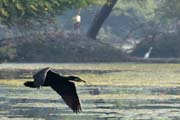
(80, 80)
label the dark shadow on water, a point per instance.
(99, 101)
(94, 91)
(155, 107)
(168, 101)
(28, 100)
(167, 91)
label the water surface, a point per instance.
(111, 95)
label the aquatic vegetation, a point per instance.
(113, 91)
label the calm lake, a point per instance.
(119, 91)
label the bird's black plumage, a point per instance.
(61, 84)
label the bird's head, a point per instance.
(76, 79)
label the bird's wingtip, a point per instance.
(78, 109)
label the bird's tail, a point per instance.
(30, 84)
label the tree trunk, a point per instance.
(100, 18)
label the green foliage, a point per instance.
(7, 53)
(136, 8)
(57, 47)
(22, 12)
(130, 19)
(166, 45)
(170, 9)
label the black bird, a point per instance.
(61, 84)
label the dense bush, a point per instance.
(63, 47)
(7, 53)
(166, 45)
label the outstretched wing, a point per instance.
(40, 76)
(68, 94)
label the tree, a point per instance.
(100, 18)
(28, 12)
(169, 11)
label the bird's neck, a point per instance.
(149, 50)
(66, 78)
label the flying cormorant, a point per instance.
(61, 84)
